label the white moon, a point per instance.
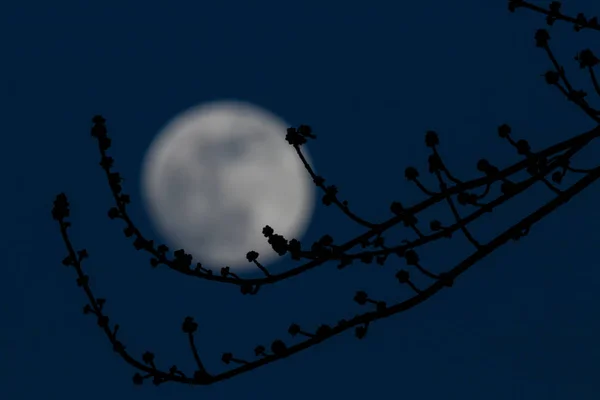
(217, 174)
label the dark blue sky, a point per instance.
(370, 78)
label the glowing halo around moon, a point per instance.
(216, 174)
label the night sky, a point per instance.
(370, 78)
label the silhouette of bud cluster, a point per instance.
(548, 166)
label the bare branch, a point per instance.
(548, 167)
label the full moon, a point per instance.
(216, 174)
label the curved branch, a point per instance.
(281, 351)
(579, 140)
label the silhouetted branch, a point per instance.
(279, 348)
(553, 14)
(183, 261)
(297, 137)
(548, 166)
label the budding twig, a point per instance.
(555, 161)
